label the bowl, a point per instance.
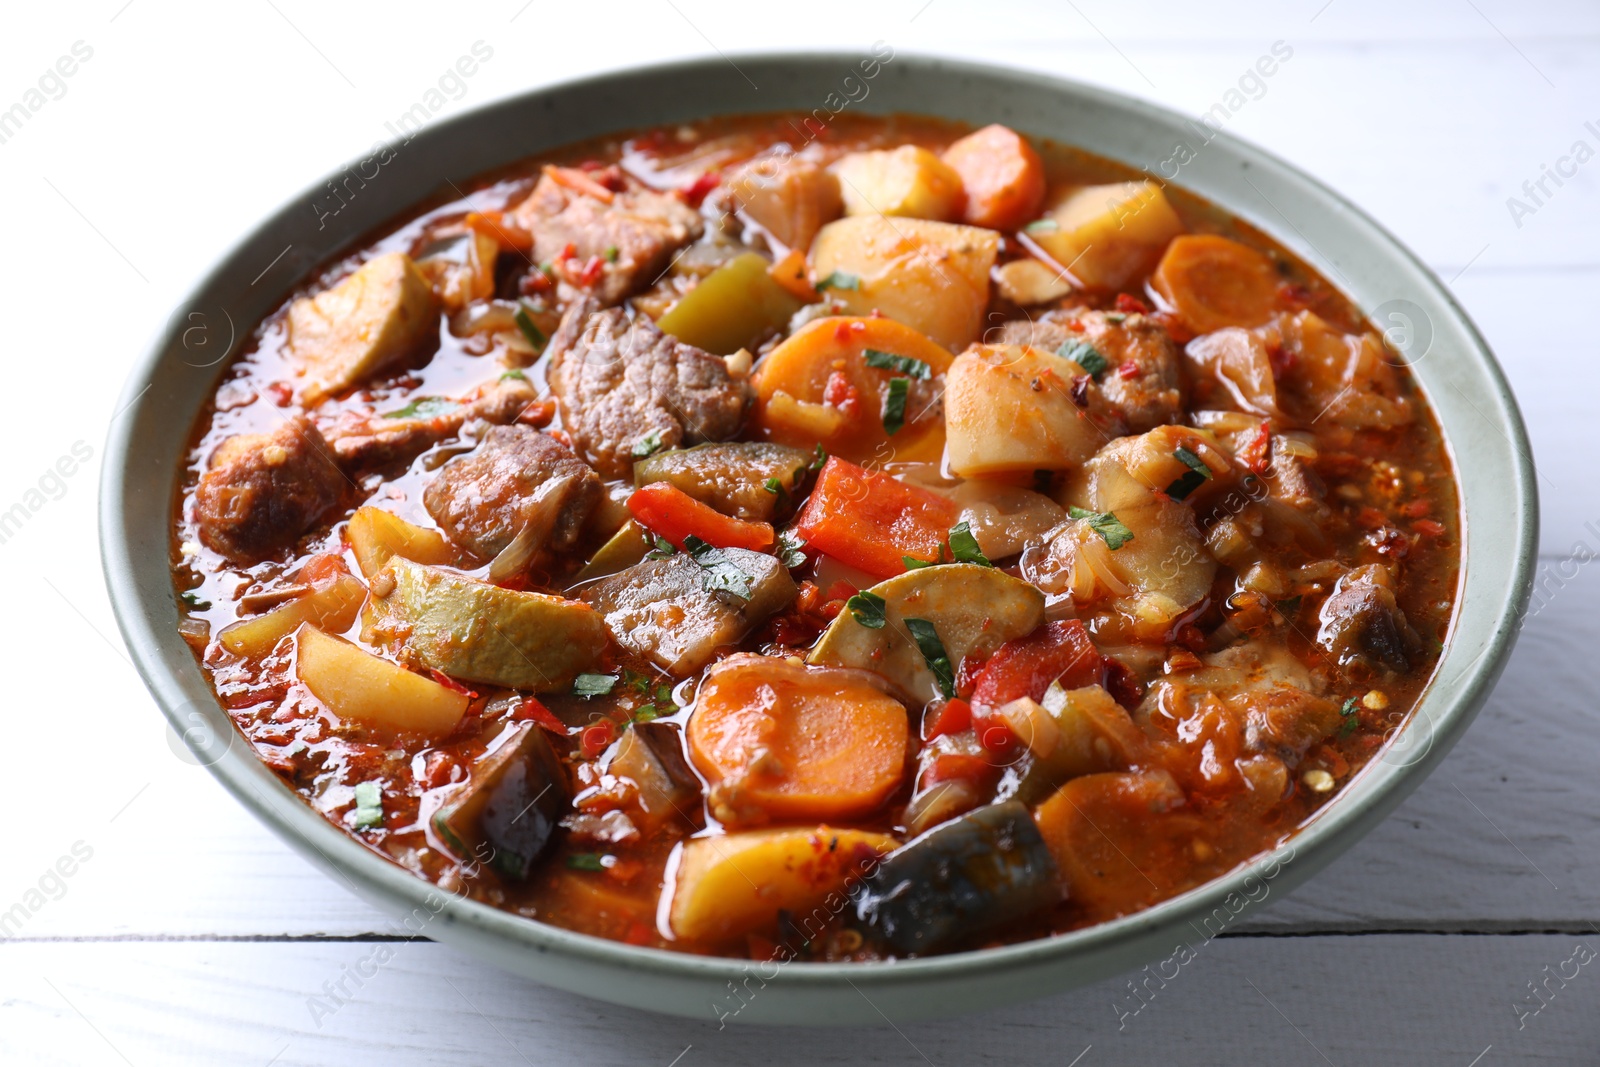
(1455, 368)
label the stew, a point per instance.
(892, 540)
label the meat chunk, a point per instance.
(518, 485)
(663, 610)
(1350, 379)
(382, 315)
(372, 439)
(789, 196)
(1140, 374)
(263, 491)
(633, 234)
(1362, 626)
(623, 385)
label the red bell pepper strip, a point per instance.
(669, 512)
(1025, 667)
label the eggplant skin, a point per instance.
(523, 809)
(985, 869)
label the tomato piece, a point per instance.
(1026, 666)
(954, 717)
(871, 520)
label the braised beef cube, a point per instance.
(633, 234)
(373, 439)
(628, 390)
(517, 485)
(672, 612)
(263, 491)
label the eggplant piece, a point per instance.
(971, 874)
(506, 814)
(651, 756)
(731, 477)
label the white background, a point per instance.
(193, 936)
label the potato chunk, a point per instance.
(1013, 408)
(1108, 235)
(376, 536)
(908, 181)
(482, 633)
(932, 276)
(331, 607)
(381, 315)
(733, 884)
(360, 687)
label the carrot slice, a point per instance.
(781, 740)
(871, 520)
(579, 182)
(664, 509)
(1215, 283)
(818, 387)
(494, 224)
(790, 272)
(1003, 177)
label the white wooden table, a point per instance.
(189, 934)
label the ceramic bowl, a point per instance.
(1455, 368)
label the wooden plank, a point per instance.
(1416, 1000)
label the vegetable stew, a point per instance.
(843, 544)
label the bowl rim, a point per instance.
(1325, 835)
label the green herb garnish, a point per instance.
(194, 601)
(914, 368)
(868, 609)
(1106, 524)
(791, 551)
(610, 253)
(839, 280)
(529, 329)
(964, 547)
(914, 564)
(1042, 226)
(423, 407)
(513, 376)
(927, 639)
(1351, 719)
(1086, 356)
(1192, 479)
(822, 457)
(593, 685)
(369, 805)
(1116, 316)
(718, 573)
(586, 861)
(648, 445)
(894, 405)
(663, 549)
(777, 489)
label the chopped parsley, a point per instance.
(822, 457)
(791, 550)
(648, 445)
(369, 805)
(1351, 719)
(529, 329)
(1106, 524)
(1116, 316)
(593, 685)
(839, 280)
(914, 368)
(964, 547)
(610, 253)
(662, 550)
(586, 861)
(1192, 479)
(718, 573)
(194, 601)
(776, 487)
(914, 564)
(1086, 356)
(938, 660)
(1042, 226)
(513, 375)
(894, 405)
(423, 407)
(868, 609)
